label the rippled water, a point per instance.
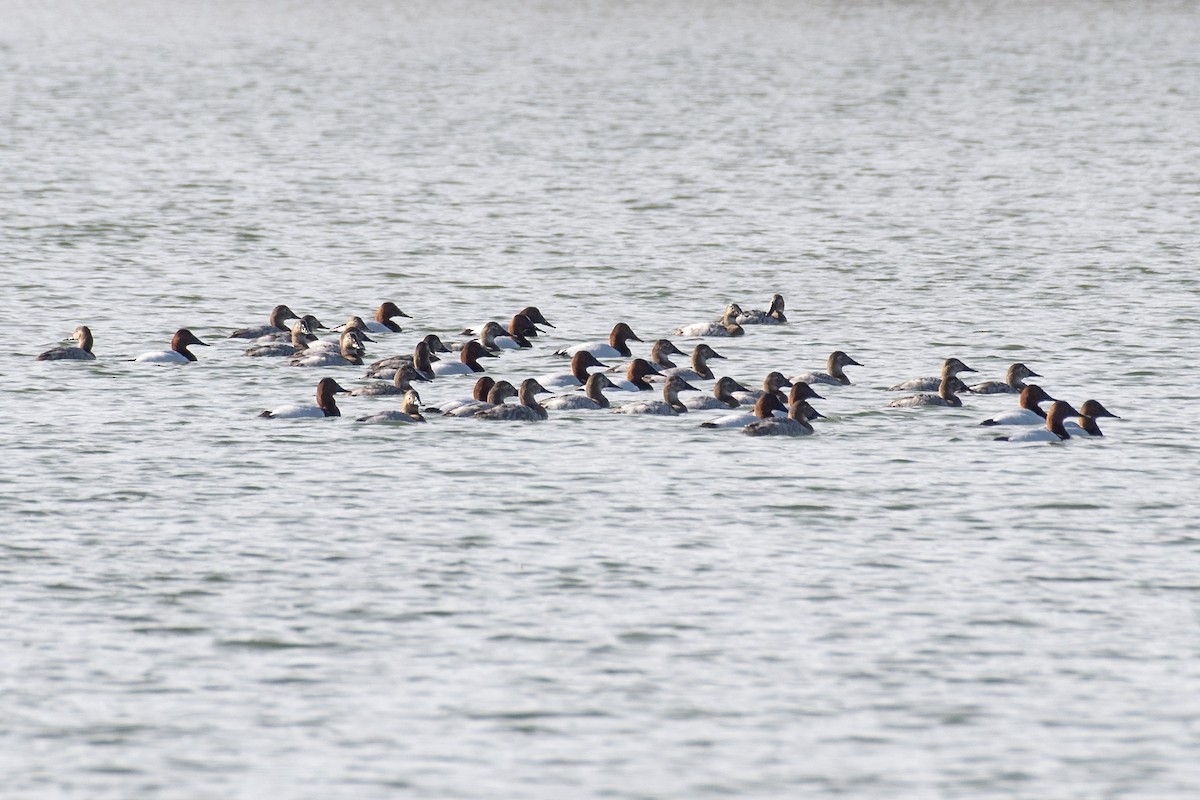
(199, 603)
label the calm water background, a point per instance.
(195, 603)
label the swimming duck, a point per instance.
(772, 316)
(617, 345)
(1013, 383)
(83, 352)
(796, 423)
(527, 409)
(950, 368)
(774, 383)
(592, 398)
(801, 393)
(401, 383)
(635, 377)
(700, 371)
(1028, 412)
(409, 411)
(946, 396)
(311, 322)
(384, 315)
(1054, 430)
(479, 394)
(279, 317)
(837, 361)
(534, 316)
(422, 358)
(468, 361)
(726, 326)
(301, 336)
(324, 407)
(764, 408)
(670, 405)
(349, 354)
(178, 354)
(580, 363)
(500, 391)
(721, 398)
(1085, 425)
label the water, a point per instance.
(199, 603)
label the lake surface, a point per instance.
(198, 603)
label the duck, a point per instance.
(408, 413)
(82, 336)
(527, 408)
(721, 398)
(661, 351)
(1027, 412)
(592, 398)
(279, 317)
(635, 377)
(521, 329)
(726, 326)
(581, 361)
(401, 383)
(699, 371)
(349, 354)
(1085, 424)
(617, 345)
(772, 316)
(479, 394)
(670, 405)
(950, 368)
(774, 383)
(1054, 430)
(178, 354)
(945, 397)
(324, 407)
(494, 336)
(795, 423)
(764, 408)
(801, 393)
(310, 321)
(301, 336)
(468, 361)
(384, 315)
(535, 316)
(422, 358)
(834, 375)
(500, 391)
(1013, 383)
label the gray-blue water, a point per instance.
(198, 603)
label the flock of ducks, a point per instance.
(764, 411)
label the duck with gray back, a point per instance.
(951, 367)
(1013, 383)
(82, 351)
(278, 323)
(835, 374)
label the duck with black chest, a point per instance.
(500, 391)
(468, 361)
(1027, 412)
(350, 353)
(774, 383)
(801, 393)
(422, 358)
(178, 354)
(1013, 383)
(721, 398)
(1054, 431)
(401, 382)
(82, 351)
(951, 367)
(278, 324)
(795, 423)
(764, 408)
(408, 413)
(670, 405)
(617, 345)
(527, 409)
(1085, 426)
(835, 374)
(636, 376)
(699, 371)
(772, 316)
(947, 396)
(592, 398)
(384, 319)
(581, 362)
(324, 407)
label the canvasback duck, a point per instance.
(324, 407)
(951, 367)
(521, 329)
(1085, 425)
(1028, 412)
(178, 354)
(279, 317)
(794, 423)
(82, 336)
(670, 405)
(660, 354)
(617, 345)
(1013, 383)
(401, 383)
(349, 354)
(635, 377)
(764, 408)
(384, 315)
(494, 336)
(527, 408)
(772, 316)
(801, 393)
(838, 360)
(580, 363)
(408, 413)
(479, 394)
(726, 326)
(774, 383)
(1054, 430)
(534, 316)
(301, 336)
(721, 398)
(422, 358)
(699, 371)
(592, 398)
(310, 321)
(500, 391)
(946, 397)
(468, 361)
